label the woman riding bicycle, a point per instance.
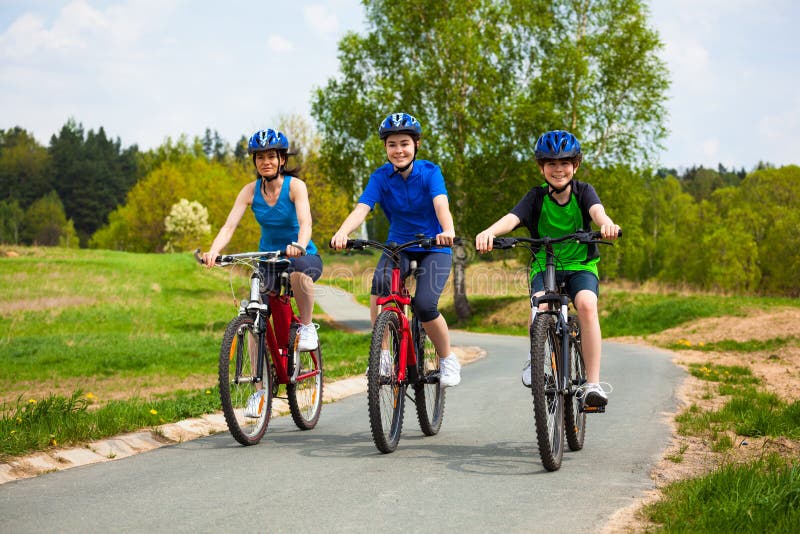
(279, 201)
(554, 209)
(413, 196)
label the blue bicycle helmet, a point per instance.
(267, 140)
(557, 144)
(400, 123)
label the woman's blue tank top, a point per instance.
(279, 225)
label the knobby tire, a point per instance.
(428, 396)
(239, 350)
(548, 402)
(385, 395)
(305, 395)
(574, 419)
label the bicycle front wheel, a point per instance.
(574, 418)
(247, 410)
(305, 395)
(548, 402)
(385, 394)
(428, 396)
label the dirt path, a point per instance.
(778, 369)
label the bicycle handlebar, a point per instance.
(271, 256)
(424, 242)
(585, 238)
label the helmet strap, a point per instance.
(558, 191)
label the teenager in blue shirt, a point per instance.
(413, 196)
(279, 201)
(558, 207)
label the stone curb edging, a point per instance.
(126, 445)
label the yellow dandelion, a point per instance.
(32, 401)
(53, 442)
(154, 412)
(13, 431)
(19, 419)
(90, 395)
(208, 392)
(702, 344)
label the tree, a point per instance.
(45, 222)
(92, 174)
(485, 78)
(139, 224)
(186, 226)
(24, 167)
(11, 218)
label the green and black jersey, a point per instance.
(543, 216)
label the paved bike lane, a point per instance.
(481, 472)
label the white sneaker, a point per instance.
(308, 339)
(593, 394)
(254, 404)
(386, 363)
(526, 373)
(449, 371)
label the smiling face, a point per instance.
(400, 149)
(559, 172)
(268, 162)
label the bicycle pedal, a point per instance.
(593, 409)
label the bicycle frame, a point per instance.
(558, 305)
(278, 308)
(399, 302)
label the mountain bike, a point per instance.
(411, 360)
(557, 366)
(259, 352)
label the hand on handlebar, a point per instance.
(610, 231)
(483, 241)
(209, 258)
(446, 238)
(339, 240)
(294, 250)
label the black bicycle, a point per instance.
(557, 367)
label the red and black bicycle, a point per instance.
(259, 353)
(401, 356)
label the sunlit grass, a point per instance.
(763, 496)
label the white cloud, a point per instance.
(321, 19)
(279, 44)
(711, 149)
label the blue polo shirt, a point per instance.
(407, 203)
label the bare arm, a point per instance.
(442, 207)
(608, 229)
(243, 200)
(353, 221)
(298, 193)
(483, 241)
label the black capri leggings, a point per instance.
(433, 270)
(310, 264)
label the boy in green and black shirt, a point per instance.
(556, 208)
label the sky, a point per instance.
(146, 70)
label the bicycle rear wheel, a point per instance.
(548, 402)
(428, 396)
(305, 395)
(574, 418)
(385, 394)
(238, 358)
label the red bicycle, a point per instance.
(400, 355)
(259, 353)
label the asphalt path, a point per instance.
(481, 472)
